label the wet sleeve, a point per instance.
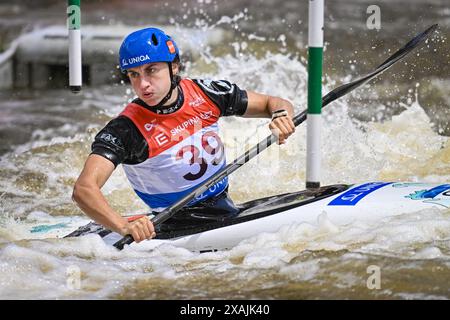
(231, 100)
(120, 142)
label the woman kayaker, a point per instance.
(168, 139)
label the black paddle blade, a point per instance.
(414, 43)
(398, 55)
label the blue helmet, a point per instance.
(146, 46)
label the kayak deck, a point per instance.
(198, 221)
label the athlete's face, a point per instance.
(151, 82)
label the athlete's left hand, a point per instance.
(282, 127)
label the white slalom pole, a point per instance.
(73, 25)
(314, 119)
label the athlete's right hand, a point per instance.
(140, 229)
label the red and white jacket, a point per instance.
(184, 149)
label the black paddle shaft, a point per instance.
(298, 119)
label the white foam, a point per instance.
(429, 253)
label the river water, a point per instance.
(394, 129)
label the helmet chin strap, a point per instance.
(173, 85)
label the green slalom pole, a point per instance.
(73, 25)
(314, 119)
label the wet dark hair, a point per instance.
(177, 61)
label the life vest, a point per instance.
(184, 149)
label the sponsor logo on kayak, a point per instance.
(439, 195)
(353, 196)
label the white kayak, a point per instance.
(342, 204)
